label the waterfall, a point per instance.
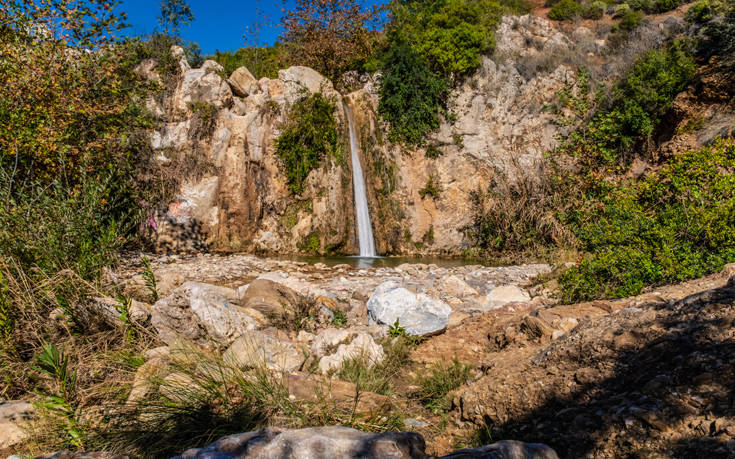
(364, 228)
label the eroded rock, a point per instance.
(419, 314)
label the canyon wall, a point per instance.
(218, 136)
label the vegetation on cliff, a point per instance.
(309, 137)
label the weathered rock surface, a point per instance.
(419, 314)
(243, 82)
(343, 442)
(360, 346)
(257, 349)
(13, 415)
(504, 294)
(201, 313)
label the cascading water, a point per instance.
(364, 228)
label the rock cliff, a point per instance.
(233, 193)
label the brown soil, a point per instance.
(647, 376)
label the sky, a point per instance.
(218, 24)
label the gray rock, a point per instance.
(500, 296)
(204, 85)
(418, 313)
(346, 443)
(315, 442)
(202, 313)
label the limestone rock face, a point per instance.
(268, 297)
(201, 313)
(418, 313)
(203, 85)
(501, 129)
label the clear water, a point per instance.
(381, 262)
(364, 228)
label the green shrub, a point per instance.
(639, 101)
(621, 10)
(565, 9)
(594, 10)
(411, 96)
(309, 136)
(662, 6)
(673, 225)
(631, 20)
(641, 5)
(516, 7)
(261, 61)
(431, 189)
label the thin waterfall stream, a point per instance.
(364, 227)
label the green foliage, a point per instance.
(60, 398)
(149, 278)
(639, 101)
(594, 10)
(339, 320)
(565, 9)
(631, 20)
(378, 377)
(174, 15)
(621, 10)
(456, 33)
(431, 189)
(310, 244)
(432, 151)
(441, 379)
(204, 120)
(310, 135)
(123, 309)
(718, 36)
(264, 61)
(396, 329)
(673, 225)
(411, 96)
(662, 6)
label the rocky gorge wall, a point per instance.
(234, 194)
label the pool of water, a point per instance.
(381, 262)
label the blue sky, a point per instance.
(218, 24)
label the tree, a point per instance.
(174, 15)
(331, 36)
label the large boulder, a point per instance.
(201, 313)
(203, 85)
(13, 415)
(243, 82)
(418, 313)
(257, 349)
(346, 443)
(269, 298)
(353, 346)
(336, 442)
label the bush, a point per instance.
(261, 61)
(631, 20)
(411, 96)
(621, 10)
(310, 135)
(673, 225)
(662, 6)
(565, 9)
(594, 10)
